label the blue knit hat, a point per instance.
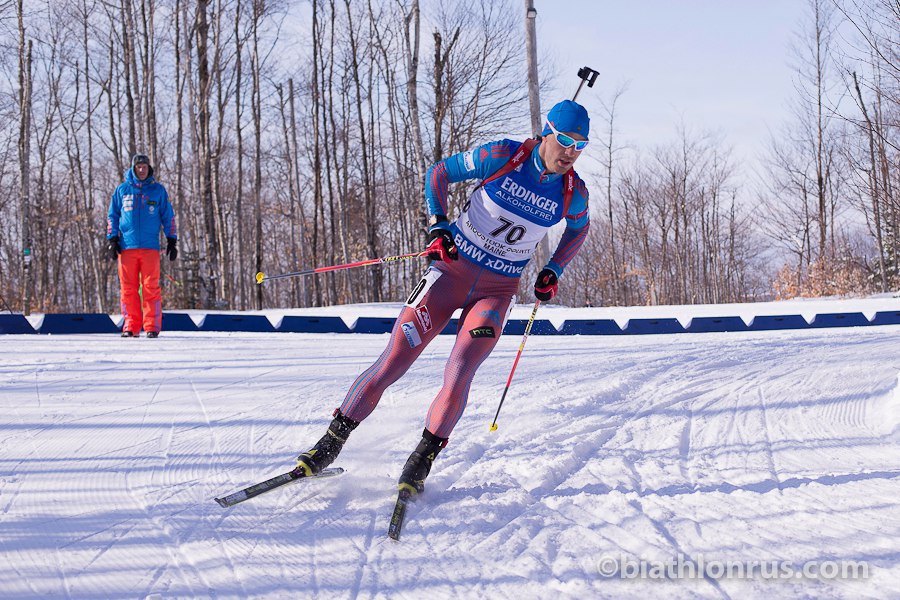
(568, 116)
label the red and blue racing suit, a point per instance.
(496, 233)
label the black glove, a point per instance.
(546, 285)
(440, 242)
(171, 248)
(112, 248)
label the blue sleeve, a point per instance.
(112, 215)
(478, 163)
(167, 214)
(578, 223)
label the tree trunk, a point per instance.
(204, 158)
(25, 81)
(298, 199)
(412, 21)
(256, 102)
(130, 73)
(239, 159)
(371, 224)
(874, 191)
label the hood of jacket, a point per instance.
(132, 179)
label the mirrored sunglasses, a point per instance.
(567, 141)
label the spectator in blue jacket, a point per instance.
(139, 208)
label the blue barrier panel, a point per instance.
(890, 317)
(649, 326)
(840, 320)
(590, 327)
(246, 323)
(716, 324)
(303, 324)
(178, 322)
(451, 327)
(775, 322)
(540, 327)
(374, 325)
(78, 323)
(15, 324)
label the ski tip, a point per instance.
(259, 277)
(221, 502)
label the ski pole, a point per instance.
(537, 303)
(260, 277)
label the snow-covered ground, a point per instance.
(727, 450)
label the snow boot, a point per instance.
(418, 465)
(327, 449)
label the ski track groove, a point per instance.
(212, 520)
(173, 544)
(473, 590)
(364, 549)
(160, 521)
(66, 586)
(684, 448)
(664, 532)
(767, 436)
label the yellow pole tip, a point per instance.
(260, 277)
(493, 427)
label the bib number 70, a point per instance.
(514, 233)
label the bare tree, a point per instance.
(25, 81)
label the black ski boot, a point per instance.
(418, 465)
(327, 449)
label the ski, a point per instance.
(270, 484)
(399, 514)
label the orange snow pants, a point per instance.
(139, 276)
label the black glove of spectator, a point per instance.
(113, 248)
(171, 248)
(440, 242)
(546, 285)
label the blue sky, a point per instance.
(718, 66)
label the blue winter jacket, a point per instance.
(136, 212)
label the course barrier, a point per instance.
(12, 323)
(68, 323)
(716, 324)
(247, 323)
(72, 323)
(777, 322)
(651, 326)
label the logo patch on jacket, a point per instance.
(412, 335)
(469, 160)
(482, 332)
(424, 318)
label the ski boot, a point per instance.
(418, 465)
(327, 449)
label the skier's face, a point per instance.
(141, 170)
(558, 159)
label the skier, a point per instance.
(478, 259)
(137, 210)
